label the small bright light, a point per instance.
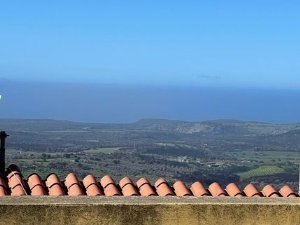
(0, 97)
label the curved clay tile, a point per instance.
(145, 187)
(36, 185)
(14, 178)
(52, 179)
(127, 187)
(251, 191)
(18, 190)
(106, 180)
(16, 183)
(233, 190)
(180, 189)
(54, 185)
(198, 189)
(269, 191)
(3, 191)
(89, 180)
(3, 183)
(71, 179)
(3, 187)
(216, 190)
(75, 190)
(91, 186)
(56, 190)
(163, 188)
(73, 185)
(109, 186)
(286, 191)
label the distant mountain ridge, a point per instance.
(220, 126)
(167, 125)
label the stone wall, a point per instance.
(149, 210)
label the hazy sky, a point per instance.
(208, 43)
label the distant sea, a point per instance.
(129, 103)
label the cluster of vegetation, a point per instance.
(223, 151)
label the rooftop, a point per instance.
(71, 200)
(15, 184)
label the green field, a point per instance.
(261, 171)
(267, 156)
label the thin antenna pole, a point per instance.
(3, 136)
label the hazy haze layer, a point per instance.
(125, 103)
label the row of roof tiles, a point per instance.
(14, 184)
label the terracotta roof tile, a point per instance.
(198, 189)
(14, 179)
(15, 185)
(52, 179)
(92, 186)
(180, 189)
(145, 187)
(36, 185)
(286, 191)
(233, 190)
(128, 189)
(251, 191)
(269, 191)
(109, 186)
(216, 190)
(3, 183)
(163, 188)
(54, 185)
(71, 179)
(18, 191)
(3, 187)
(73, 185)
(3, 191)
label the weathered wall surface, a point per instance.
(149, 211)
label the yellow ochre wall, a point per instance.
(149, 211)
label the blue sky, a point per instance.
(202, 43)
